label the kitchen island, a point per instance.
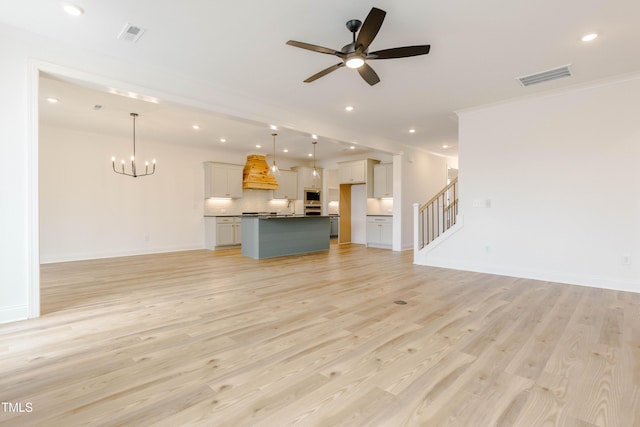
(268, 236)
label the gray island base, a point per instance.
(274, 236)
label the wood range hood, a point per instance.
(257, 175)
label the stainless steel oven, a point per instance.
(311, 210)
(312, 197)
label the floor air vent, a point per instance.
(131, 33)
(545, 76)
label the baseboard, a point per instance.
(14, 313)
(100, 255)
(547, 276)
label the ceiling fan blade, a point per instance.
(368, 74)
(370, 28)
(315, 48)
(400, 52)
(324, 72)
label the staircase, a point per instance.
(435, 217)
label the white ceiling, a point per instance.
(163, 121)
(477, 51)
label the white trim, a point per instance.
(396, 235)
(548, 276)
(104, 255)
(420, 255)
(444, 236)
(13, 313)
(33, 226)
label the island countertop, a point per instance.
(268, 236)
(279, 216)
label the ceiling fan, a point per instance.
(356, 53)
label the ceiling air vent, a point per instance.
(131, 33)
(545, 76)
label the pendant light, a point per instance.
(274, 167)
(133, 172)
(316, 174)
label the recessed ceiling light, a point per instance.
(223, 140)
(314, 136)
(72, 9)
(445, 146)
(310, 154)
(196, 127)
(352, 147)
(349, 108)
(412, 130)
(52, 100)
(286, 150)
(258, 146)
(589, 37)
(273, 127)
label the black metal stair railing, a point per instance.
(438, 214)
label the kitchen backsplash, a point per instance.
(251, 201)
(379, 206)
(260, 201)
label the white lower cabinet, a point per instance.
(380, 231)
(334, 222)
(223, 232)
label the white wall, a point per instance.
(561, 173)
(87, 211)
(14, 181)
(420, 176)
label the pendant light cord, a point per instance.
(134, 134)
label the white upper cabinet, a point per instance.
(357, 172)
(307, 180)
(287, 185)
(354, 172)
(222, 180)
(383, 180)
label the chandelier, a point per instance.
(134, 173)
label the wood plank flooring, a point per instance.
(217, 339)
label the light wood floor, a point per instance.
(215, 339)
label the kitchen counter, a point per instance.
(268, 236)
(270, 216)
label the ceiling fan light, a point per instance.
(355, 62)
